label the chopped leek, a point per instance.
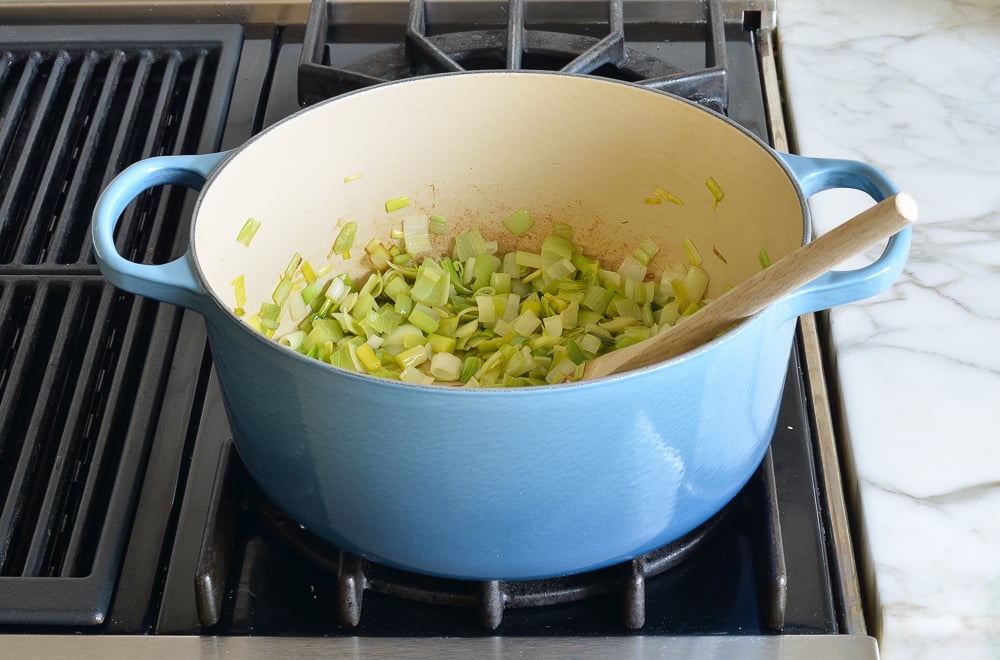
(446, 367)
(248, 231)
(670, 197)
(693, 255)
(469, 244)
(416, 236)
(240, 293)
(396, 203)
(476, 317)
(764, 259)
(438, 225)
(518, 222)
(717, 193)
(345, 240)
(353, 177)
(368, 359)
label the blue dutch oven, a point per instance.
(498, 483)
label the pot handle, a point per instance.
(840, 287)
(173, 282)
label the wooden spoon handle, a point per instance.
(760, 290)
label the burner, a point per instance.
(355, 575)
(515, 47)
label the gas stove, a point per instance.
(127, 522)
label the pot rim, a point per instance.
(730, 334)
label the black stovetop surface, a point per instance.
(112, 427)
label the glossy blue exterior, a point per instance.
(500, 484)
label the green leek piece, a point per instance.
(632, 269)
(395, 285)
(528, 259)
(404, 304)
(440, 343)
(575, 353)
(663, 194)
(405, 335)
(448, 325)
(384, 320)
(345, 240)
(483, 269)
(378, 254)
(308, 272)
(323, 330)
(628, 308)
(556, 248)
(646, 250)
(415, 376)
(764, 259)
(562, 230)
(693, 255)
(680, 293)
(412, 357)
(293, 339)
(552, 326)
(526, 323)
(561, 269)
(339, 288)
(469, 244)
(590, 343)
(416, 234)
(396, 203)
(239, 291)
(597, 299)
(470, 365)
(269, 313)
(696, 282)
(297, 308)
(369, 361)
(342, 357)
(431, 285)
(248, 231)
(518, 222)
(424, 317)
(281, 291)
(487, 310)
(438, 225)
(500, 282)
(455, 273)
(446, 367)
(560, 371)
(717, 193)
(312, 291)
(293, 265)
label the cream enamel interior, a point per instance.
(476, 147)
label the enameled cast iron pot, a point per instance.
(498, 484)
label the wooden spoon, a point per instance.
(757, 292)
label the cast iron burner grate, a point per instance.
(82, 364)
(515, 47)
(356, 575)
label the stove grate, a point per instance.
(82, 364)
(512, 47)
(355, 575)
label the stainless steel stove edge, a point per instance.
(83, 647)
(295, 12)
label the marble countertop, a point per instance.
(914, 89)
